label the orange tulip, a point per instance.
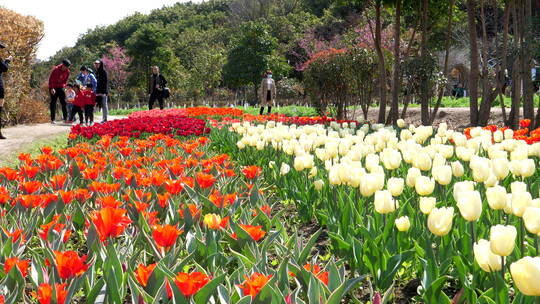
(193, 210)
(253, 285)
(67, 196)
(143, 273)
(69, 264)
(4, 195)
(174, 186)
(31, 186)
(190, 283)
(255, 232)
(205, 180)
(15, 235)
(317, 271)
(22, 265)
(214, 221)
(165, 236)
(251, 172)
(45, 292)
(110, 222)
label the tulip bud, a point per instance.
(318, 184)
(427, 204)
(496, 197)
(461, 187)
(457, 169)
(212, 221)
(240, 145)
(401, 123)
(502, 239)
(440, 220)
(531, 217)
(422, 161)
(403, 223)
(516, 187)
(470, 205)
(313, 172)
(508, 134)
(271, 164)
(384, 203)
(442, 174)
(520, 202)
(526, 273)
(424, 185)
(412, 174)
(500, 167)
(485, 258)
(498, 136)
(395, 185)
(284, 169)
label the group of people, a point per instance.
(79, 98)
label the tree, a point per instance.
(253, 52)
(116, 62)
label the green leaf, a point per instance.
(204, 294)
(341, 291)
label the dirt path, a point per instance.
(21, 136)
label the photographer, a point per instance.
(4, 65)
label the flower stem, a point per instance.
(502, 267)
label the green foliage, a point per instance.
(290, 111)
(254, 52)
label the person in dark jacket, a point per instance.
(57, 82)
(4, 65)
(102, 89)
(157, 84)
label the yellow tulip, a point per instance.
(403, 223)
(485, 258)
(440, 220)
(427, 204)
(412, 174)
(318, 184)
(531, 217)
(457, 169)
(520, 202)
(496, 197)
(212, 221)
(502, 239)
(470, 205)
(526, 275)
(395, 185)
(461, 187)
(384, 202)
(442, 174)
(284, 169)
(424, 185)
(500, 167)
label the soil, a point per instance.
(456, 118)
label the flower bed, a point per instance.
(192, 112)
(149, 220)
(499, 134)
(136, 126)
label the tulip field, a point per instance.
(207, 205)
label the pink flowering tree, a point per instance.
(116, 63)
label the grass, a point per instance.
(287, 110)
(58, 141)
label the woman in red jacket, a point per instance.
(78, 103)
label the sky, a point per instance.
(66, 20)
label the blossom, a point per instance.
(110, 222)
(165, 236)
(251, 172)
(143, 273)
(69, 264)
(45, 293)
(22, 265)
(190, 283)
(253, 285)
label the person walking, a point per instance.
(158, 83)
(57, 81)
(268, 92)
(102, 89)
(4, 66)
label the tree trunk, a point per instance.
(474, 69)
(396, 80)
(488, 93)
(446, 57)
(516, 77)
(382, 68)
(424, 90)
(526, 36)
(501, 86)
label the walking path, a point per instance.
(22, 135)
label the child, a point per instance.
(70, 96)
(78, 103)
(89, 105)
